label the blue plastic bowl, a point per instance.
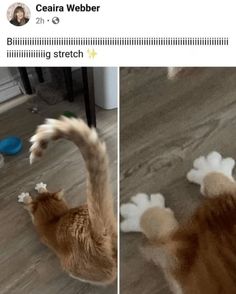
(10, 145)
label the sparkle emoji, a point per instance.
(91, 53)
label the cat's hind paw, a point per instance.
(132, 212)
(213, 162)
(41, 187)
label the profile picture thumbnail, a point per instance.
(18, 14)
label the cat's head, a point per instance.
(46, 206)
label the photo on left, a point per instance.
(58, 188)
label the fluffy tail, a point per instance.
(99, 196)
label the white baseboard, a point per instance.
(5, 106)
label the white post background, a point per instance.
(151, 18)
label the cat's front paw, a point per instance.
(24, 197)
(132, 212)
(41, 187)
(213, 162)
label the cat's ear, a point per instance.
(59, 195)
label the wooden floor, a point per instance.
(165, 125)
(26, 266)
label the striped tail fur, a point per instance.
(99, 196)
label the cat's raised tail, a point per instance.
(99, 196)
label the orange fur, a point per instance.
(205, 248)
(199, 256)
(84, 238)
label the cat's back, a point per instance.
(207, 248)
(74, 225)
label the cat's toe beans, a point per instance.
(131, 225)
(128, 209)
(140, 199)
(41, 187)
(124, 226)
(200, 162)
(157, 200)
(214, 158)
(132, 212)
(22, 197)
(228, 164)
(213, 162)
(143, 201)
(194, 176)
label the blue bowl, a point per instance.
(10, 145)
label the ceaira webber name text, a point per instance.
(68, 7)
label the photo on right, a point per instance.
(177, 189)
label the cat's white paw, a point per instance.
(132, 212)
(41, 187)
(23, 196)
(213, 162)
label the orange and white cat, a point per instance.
(84, 238)
(198, 256)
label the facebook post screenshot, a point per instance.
(117, 147)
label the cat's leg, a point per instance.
(214, 174)
(27, 200)
(157, 223)
(148, 215)
(24, 197)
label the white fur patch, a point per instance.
(133, 211)
(41, 187)
(213, 162)
(93, 137)
(173, 71)
(34, 146)
(32, 158)
(23, 196)
(50, 122)
(87, 281)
